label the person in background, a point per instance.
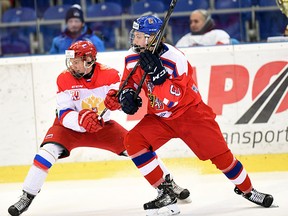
(175, 110)
(283, 6)
(5, 5)
(82, 90)
(286, 31)
(203, 32)
(75, 30)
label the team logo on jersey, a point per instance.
(154, 101)
(75, 95)
(175, 91)
(93, 103)
(159, 104)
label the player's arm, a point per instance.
(69, 117)
(83, 121)
(166, 89)
(66, 113)
(130, 83)
(129, 102)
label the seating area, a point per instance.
(29, 28)
(50, 30)
(16, 39)
(108, 30)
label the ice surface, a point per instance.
(211, 195)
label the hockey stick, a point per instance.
(120, 89)
(159, 36)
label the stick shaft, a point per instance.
(159, 36)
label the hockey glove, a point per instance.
(89, 121)
(152, 65)
(128, 103)
(111, 101)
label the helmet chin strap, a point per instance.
(92, 66)
(87, 65)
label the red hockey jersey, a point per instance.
(176, 94)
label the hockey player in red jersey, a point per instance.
(176, 110)
(82, 89)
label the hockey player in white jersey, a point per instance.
(82, 90)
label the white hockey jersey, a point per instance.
(76, 94)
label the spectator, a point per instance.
(284, 9)
(203, 31)
(76, 30)
(5, 5)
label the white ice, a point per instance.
(124, 196)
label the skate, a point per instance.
(256, 197)
(166, 198)
(22, 205)
(183, 195)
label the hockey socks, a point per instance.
(233, 170)
(38, 172)
(149, 167)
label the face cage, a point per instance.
(75, 74)
(137, 48)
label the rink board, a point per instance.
(125, 168)
(231, 84)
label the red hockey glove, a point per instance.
(89, 121)
(111, 101)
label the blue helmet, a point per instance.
(147, 24)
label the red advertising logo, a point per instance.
(269, 91)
